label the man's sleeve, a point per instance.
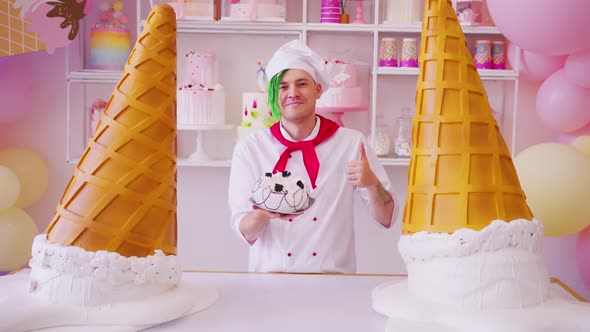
(241, 181)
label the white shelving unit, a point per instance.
(374, 30)
(199, 156)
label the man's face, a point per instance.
(298, 93)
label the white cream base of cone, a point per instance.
(508, 278)
(22, 312)
(477, 281)
(409, 313)
(74, 276)
(499, 267)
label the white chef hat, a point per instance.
(296, 55)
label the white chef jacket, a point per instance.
(322, 238)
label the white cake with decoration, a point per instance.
(256, 112)
(344, 89)
(281, 193)
(200, 101)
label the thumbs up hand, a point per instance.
(359, 173)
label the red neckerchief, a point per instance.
(310, 158)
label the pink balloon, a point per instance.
(549, 27)
(533, 66)
(16, 88)
(583, 255)
(562, 105)
(567, 138)
(577, 68)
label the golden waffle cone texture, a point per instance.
(461, 173)
(122, 195)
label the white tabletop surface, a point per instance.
(284, 302)
(287, 302)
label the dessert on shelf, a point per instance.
(201, 100)
(259, 10)
(96, 110)
(193, 9)
(344, 93)
(110, 40)
(256, 112)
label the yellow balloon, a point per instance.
(17, 231)
(555, 178)
(582, 143)
(31, 171)
(9, 187)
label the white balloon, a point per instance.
(9, 187)
(31, 171)
(17, 231)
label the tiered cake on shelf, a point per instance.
(110, 41)
(258, 10)
(344, 89)
(256, 113)
(200, 100)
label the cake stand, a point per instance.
(338, 112)
(199, 154)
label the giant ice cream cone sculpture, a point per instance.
(122, 195)
(461, 173)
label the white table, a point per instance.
(289, 302)
(264, 302)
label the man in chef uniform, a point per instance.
(336, 162)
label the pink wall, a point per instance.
(43, 130)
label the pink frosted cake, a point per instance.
(344, 89)
(199, 100)
(110, 41)
(95, 113)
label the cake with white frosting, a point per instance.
(201, 100)
(256, 112)
(281, 193)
